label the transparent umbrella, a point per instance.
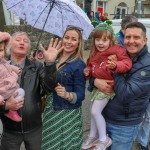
(52, 16)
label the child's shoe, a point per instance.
(102, 145)
(89, 142)
(13, 115)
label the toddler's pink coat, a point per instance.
(8, 79)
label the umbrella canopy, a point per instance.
(52, 16)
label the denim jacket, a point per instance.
(70, 75)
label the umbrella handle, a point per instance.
(34, 53)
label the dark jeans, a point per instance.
(13, 141)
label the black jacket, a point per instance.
(33, 81)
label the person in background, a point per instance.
(92, 15)
(97, 17)
(105, 17)
(8, 78)
(62, 118)
(34, 82)
(99, 66)
(124, 113)
(87, 6)
(126, 20)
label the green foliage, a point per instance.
(109, 22)
(94, 23)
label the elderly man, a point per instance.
(34, 82)
(124, 113)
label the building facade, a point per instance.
(117, 9)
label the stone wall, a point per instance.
(34, 35)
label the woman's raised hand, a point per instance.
(54, 49)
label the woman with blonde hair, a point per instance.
(62, 118)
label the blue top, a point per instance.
(132, 93)
(120, 37)
(70, 75)
(97, 18)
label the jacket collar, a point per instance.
(21, 65)
(25, 64)
(68, 60)
(140, 54)
(121, 33)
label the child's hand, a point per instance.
(112, 58)
(2, 102)
(111, 65)
(20, 70)
(86, 72)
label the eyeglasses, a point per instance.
(74, 27)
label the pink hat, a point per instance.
(4, 36)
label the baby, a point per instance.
(8, 78)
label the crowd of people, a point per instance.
(119, 73)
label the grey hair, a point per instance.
(21, 33)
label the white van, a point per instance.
(146, 21)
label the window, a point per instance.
(101, 4)
(121, 11)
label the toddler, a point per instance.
(8, 78)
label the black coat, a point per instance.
(33, 82)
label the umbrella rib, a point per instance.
(77, 17)
(40, 14)
(15, 4)
(51, 7)
(71, 10)
(59, 4)
(61, 14)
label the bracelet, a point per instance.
(66, 95)
(69, 97)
